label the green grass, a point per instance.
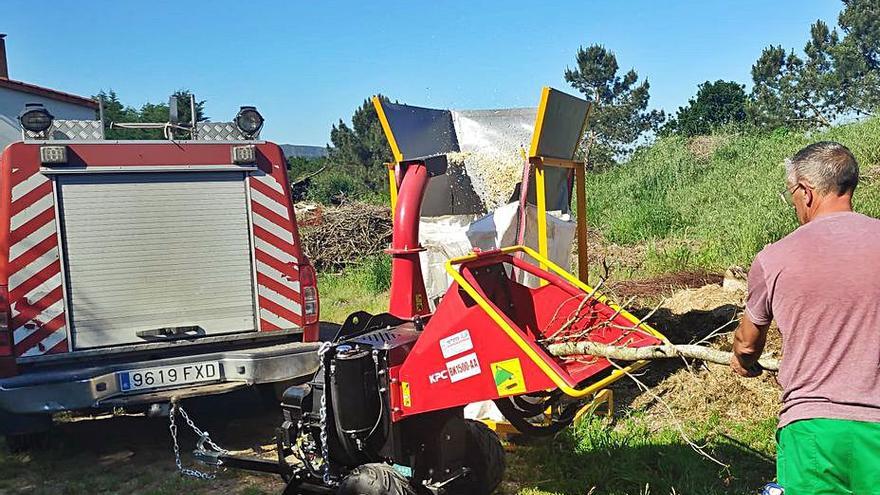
(631, 457)
(718, 211)
(361, 288)
(41, 473)
(680, 212)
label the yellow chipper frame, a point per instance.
(559, 124)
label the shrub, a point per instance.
(334, 187)
(377, 271)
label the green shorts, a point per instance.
(829, 456)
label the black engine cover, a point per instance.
(355, 387)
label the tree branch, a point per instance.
(699, 449)
(666, 351)
(819, 115)
(308, 176)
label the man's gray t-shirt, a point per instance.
(821, 284)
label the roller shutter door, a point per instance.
(148, 251)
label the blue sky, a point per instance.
(307, 64)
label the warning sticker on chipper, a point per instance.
(508, 377)
(406, 393)
(456, 343)
(463, 367)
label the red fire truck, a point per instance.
(132, 272)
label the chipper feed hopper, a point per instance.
(384, 414)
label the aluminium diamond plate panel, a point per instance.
(220, 131)
(71, 130)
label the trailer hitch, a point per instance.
(201, 452)
(206, 455)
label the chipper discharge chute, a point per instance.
(384, 415)
(488, 196)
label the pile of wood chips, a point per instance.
(335, 237)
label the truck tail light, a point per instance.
(7, 350)
(311, 307)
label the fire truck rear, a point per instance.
(132, 272)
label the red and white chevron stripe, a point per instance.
(278, 287)
(35, 292)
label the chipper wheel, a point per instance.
(375, 479)
(484, 458)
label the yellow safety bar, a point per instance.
(541, 200)
(580, 183)
(524, 346)
(392, 186)
(539, 161)
(386, 127)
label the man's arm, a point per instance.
(748, 344)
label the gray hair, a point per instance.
(826, 166)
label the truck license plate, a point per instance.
(180, 374)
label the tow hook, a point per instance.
(205, 455)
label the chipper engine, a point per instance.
(384, 414)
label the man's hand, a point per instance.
(746, 371)
(748, 344)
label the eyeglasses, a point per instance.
(787, 193)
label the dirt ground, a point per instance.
(132, 454)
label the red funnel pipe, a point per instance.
(408, 296)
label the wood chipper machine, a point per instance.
(384, 414)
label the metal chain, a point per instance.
(325, 450)
(203, 437)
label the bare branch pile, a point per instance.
(337, 237)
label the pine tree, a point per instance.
(620, 115)
(361, 149)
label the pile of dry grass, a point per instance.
(706, 298)
(708, 390)
(703, 147)
(712, 390)
(703, 390)
(336, 237)
(663, 285)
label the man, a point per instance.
(821, 284)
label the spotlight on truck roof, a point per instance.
(249, 121)
(35, 118)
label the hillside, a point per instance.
(711, 202)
